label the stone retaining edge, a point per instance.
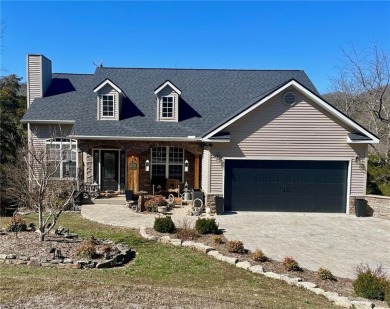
(334, 297)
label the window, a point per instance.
(168, 162)
(167, 107)
(61, 157)
(107, 105)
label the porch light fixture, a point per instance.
(359, 160)
(186, 164)
(147, 165)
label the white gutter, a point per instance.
(49, 121)
(132, 138)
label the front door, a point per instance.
(132, 172)
(109, 170)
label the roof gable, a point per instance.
(107, 82)
(371, 138)
(169, 84)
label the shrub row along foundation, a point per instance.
(334, 297)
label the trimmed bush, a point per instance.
(218, 239)
(152, 204)
(87, 249)
(370, 283)
(290, 264)
(235, 246)
(325, 274)
(17, 224)
(206, 226)
(387, 294)
(259, 256)
(164, 225)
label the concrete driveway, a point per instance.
(334, 241)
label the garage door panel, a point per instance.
(307, 186)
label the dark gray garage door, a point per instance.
(271, 185)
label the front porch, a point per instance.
(117, 166)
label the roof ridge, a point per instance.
(203, 69)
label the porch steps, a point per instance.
(117, 200)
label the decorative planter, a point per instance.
(162, 209)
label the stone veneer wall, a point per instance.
(142, 149)
(377, 206)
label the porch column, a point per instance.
(196, 172)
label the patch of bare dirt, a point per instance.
(27, 244)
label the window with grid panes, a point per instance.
(107, 105)
(167, 107)
(167, 162)
(61, 157)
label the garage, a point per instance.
(286, 185)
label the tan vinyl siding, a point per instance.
(206, 171)
(275, 130)
(39, 76)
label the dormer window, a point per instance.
(109, 100)
(168, 107)
(107, 105)
(167, 102)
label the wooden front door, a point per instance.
(132, 173)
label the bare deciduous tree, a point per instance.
(34, 183)
(362, 91)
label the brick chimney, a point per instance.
(38, 77)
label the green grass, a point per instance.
(189, 273)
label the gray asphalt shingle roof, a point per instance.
(208, 98)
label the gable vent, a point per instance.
(289, 98)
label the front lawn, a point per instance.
(160, 276)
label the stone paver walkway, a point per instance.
(334, 241)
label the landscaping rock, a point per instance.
(165, 239)
(243, 265)
(153, 238)
(46, 264)
(176, 242)
(257, 269)
(108, 263)
(331, 295)
(343, 302)
(307, 285)
(188, 243)
(20, 262)
(11, 256)
(24, 258)
(69, 266)
(272, 275)
(3, 256)
(34, 263)
(318, 291)
(362, 304)
(215, 254)
(68, 261)
(202, 247)
(56, 261)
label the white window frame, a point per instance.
(172, 107)
(66, 146)
(166, 162)
(105, 97)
